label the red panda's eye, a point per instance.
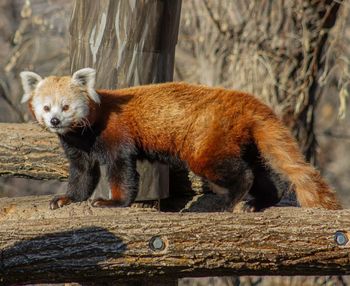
(65, 107)
(46, 108)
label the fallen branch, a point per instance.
(26, 150)
(81, 243)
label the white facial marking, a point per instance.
(52, 112)
(61, 103)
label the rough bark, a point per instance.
(26, 150)
(85, 244)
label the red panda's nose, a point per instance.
(55, 121)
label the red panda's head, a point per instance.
(60, 103)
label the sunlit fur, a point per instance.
(211, 130)
(62, 98)
(55, 93)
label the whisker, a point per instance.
(81, 124)
(85, 123)
(88, 123)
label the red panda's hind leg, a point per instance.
(233, 179)
(267, 190)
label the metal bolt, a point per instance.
(341, 238)
(156, 243)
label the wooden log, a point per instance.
(84, 244)
(26, 150)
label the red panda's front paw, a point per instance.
(102, 203)
(59, 201)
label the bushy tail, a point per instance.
(277, 146)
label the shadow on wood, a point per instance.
(37, 244)
(61, 256)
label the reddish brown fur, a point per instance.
(117, 196)
(203, 125)
(116, 193)
(193, 134)
(31, 108)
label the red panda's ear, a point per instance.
(86, 77)
(30, 80)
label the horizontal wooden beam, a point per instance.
(26, 150)
(80, 243)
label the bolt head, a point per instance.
(341, 238)
(156, 243)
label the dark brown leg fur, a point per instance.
(123, 181)
(234, 179)
(268, 189)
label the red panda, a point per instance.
(227, 137)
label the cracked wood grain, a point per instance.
(81, 243)
(26, 150)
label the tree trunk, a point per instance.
(84, 244)
(128, 43)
